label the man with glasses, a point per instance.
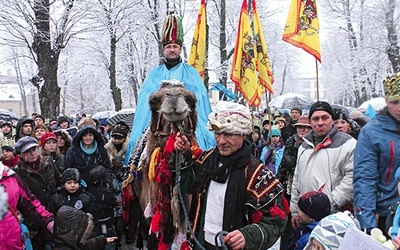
(173, 68)
(324, 162)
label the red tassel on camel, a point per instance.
(155, 222)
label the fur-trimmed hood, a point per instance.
(72, 227)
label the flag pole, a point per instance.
(317, 78)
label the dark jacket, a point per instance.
(81, 200)
(104, 201)
(259, 214)
(72, 230)
(44, 182)
(288, 164)
(77, 158)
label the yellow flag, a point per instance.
(197, 55)
(244, 73)
(264, 70)
(302, 27)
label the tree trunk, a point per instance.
(116, 92)
(47, 61)
(393, 50)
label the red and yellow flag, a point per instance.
(264, 70)
(250, 67)
(197, 57)
(302, 27)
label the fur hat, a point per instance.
(24, 144)
(119, 131)
(315, 204)
(279, 119)
(391, 86)
(47, 136)
(303, 121)
(330, 230)
(274, 132)
(172, 31)
(70, 174)
(231, 118)
(64, 135)
(324, 106)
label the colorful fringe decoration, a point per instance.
(154, 160)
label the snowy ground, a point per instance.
(132, 246)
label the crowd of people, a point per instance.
(304, 176)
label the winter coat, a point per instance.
(77, 158)
(44, 182)
(71, 226)
(300, 237)
(376, 159)
(327, 166)
(271, 156)
(57, 157)
(105, 200)
(20, 198)
(112, 151)
(264, 217)
(81, 200)
(288, 164)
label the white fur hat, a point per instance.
(231, 118)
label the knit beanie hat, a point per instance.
(47, 136)
(70, 174)
(7, 144)
(119, 131)
(274, 132)
(330, 230)
(315, 204)
(297, 109)
(324, 106)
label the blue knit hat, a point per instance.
(274, 132)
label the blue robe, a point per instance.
(191, 79)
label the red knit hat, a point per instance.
(47, 136)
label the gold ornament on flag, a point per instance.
(197, 57)
(250, 67)
(302, 27)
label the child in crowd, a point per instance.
(313, 206)
(71, 193)
(330, 231)
(8, 157)
(272, 152)
(104, 203)
(73, 230)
